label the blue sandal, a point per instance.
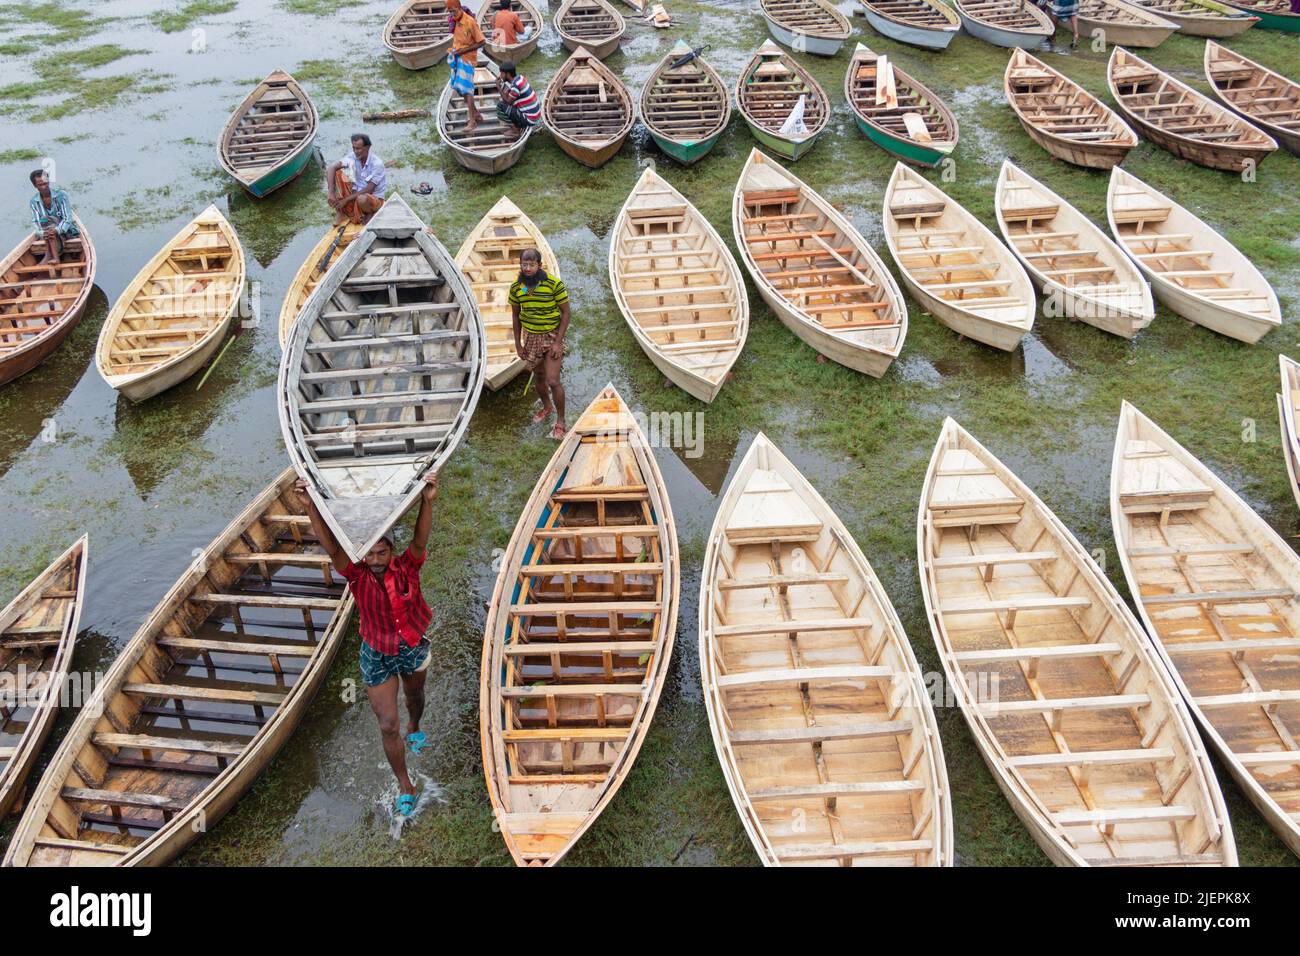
(417, 741)
(405, 804)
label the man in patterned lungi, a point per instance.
(466, 40)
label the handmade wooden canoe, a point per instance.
(588, 109)
(1267, 99)
(770, 89)
(534, 26)
(815, 270)
(380, 376)
(806, 26)
(239, 646)
(1124, 24)
(592, 25)
(1082, 273)
(816, 702)
(1079, 723)
(1182, 120)
(323, 255)
(418, 34)
(579, 635)
(41, 305)
(1201, 18)
(494, 145)
(1064, 118)
(897, 113)
(954, 266)
(925, 23)
(685, 105)
(267, 140)
(37, 633)
(1192, 269)
(1288, 413)
(1010, 23)
(489, 259)
(1215, 586)
(1273, 14)
(173, 316)
(678, 287)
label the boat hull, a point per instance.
(422, 58)
(867, 361)
(905, 149)
(780, 145)
(915, 36)
(23, 360)
(1091, 156)
(685, 153)
(803, 42)
(1216, 27)
(1000, 37)
(1286, 22)
(598, 50)
(142, 387)
(998, 335)
(282, 175)
(1128, 35)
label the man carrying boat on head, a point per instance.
(52, 216)
(394, 618)
(466, 40)
(518, 104)
(356, 183)
(539, 308)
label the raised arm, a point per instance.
(338, 557)
(424, 521)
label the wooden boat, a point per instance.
(591, 25)
(1215, 586)
(898, 114)
(380, 376)
(954, 266)
(815, 270)
(685, 105)
(579, 635)
(1201, 18)
(494, 145)
(1193, 270)
(37, 633)
(770, 88)
(489, 259)
(173, 316)
(1273, 14)
(1081, 272)
(1064, 118)
(418, 34)
(323, 255)
(1010, 23)
(239, 646)
(267, 140)
(925, 23)
(816, 702)
(534, 26)
(41, 305)
(806, 26)
(678, 287)
(588, 109)
(1288, 407)
(1187, 123)
(1079, 723)
(1267, 99)
(1124, 24)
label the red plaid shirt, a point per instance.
(392, 608)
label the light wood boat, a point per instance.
(806, 26)
(678, 287)
(897, 113)
(954, 266)
(588, 109)
(489, 259)
(173, 316)
(1193, 270)
(1064, 118)
(1288, 413)
(37, 633)
(41, 305)
(818, 707)
(1079, 723)
(534, 26)
(579, 635)
(1187, 123)
(267, 140)
(1267, 99)
(770, 88)
(1124, 24)
(494, 146)
(418, 34)
(925, 23)
(685, 106)
(1080, 271)
(239, 646)
(323, 255)
(591, 25)
(1201, 18)
(1010, 23)
(1215, 586)
(380, 376)
(815, 270)
(1273, 14)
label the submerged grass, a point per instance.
(184, 16)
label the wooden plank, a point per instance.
(215, 748)
(1092, 758)
(804, 675)
(801, 735)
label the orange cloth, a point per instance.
(506, 27)
(356, 209)
(466, 35)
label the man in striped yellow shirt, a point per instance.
(539, 305)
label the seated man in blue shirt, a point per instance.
(52, 216)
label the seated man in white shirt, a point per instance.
(356, 183)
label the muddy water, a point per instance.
(134, 142)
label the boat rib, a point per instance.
(1288, 412)
(591, 25)
(685, 106)
(925, 23)
(1267, 99)
(896, 112)
(418, 34)
(588, 109)
(770, 88)
(494, 145)
(267, 140)
(534, 26)
(807, 26)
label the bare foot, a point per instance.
(542, 414)
(558, 431)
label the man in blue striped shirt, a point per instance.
(52, 216)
